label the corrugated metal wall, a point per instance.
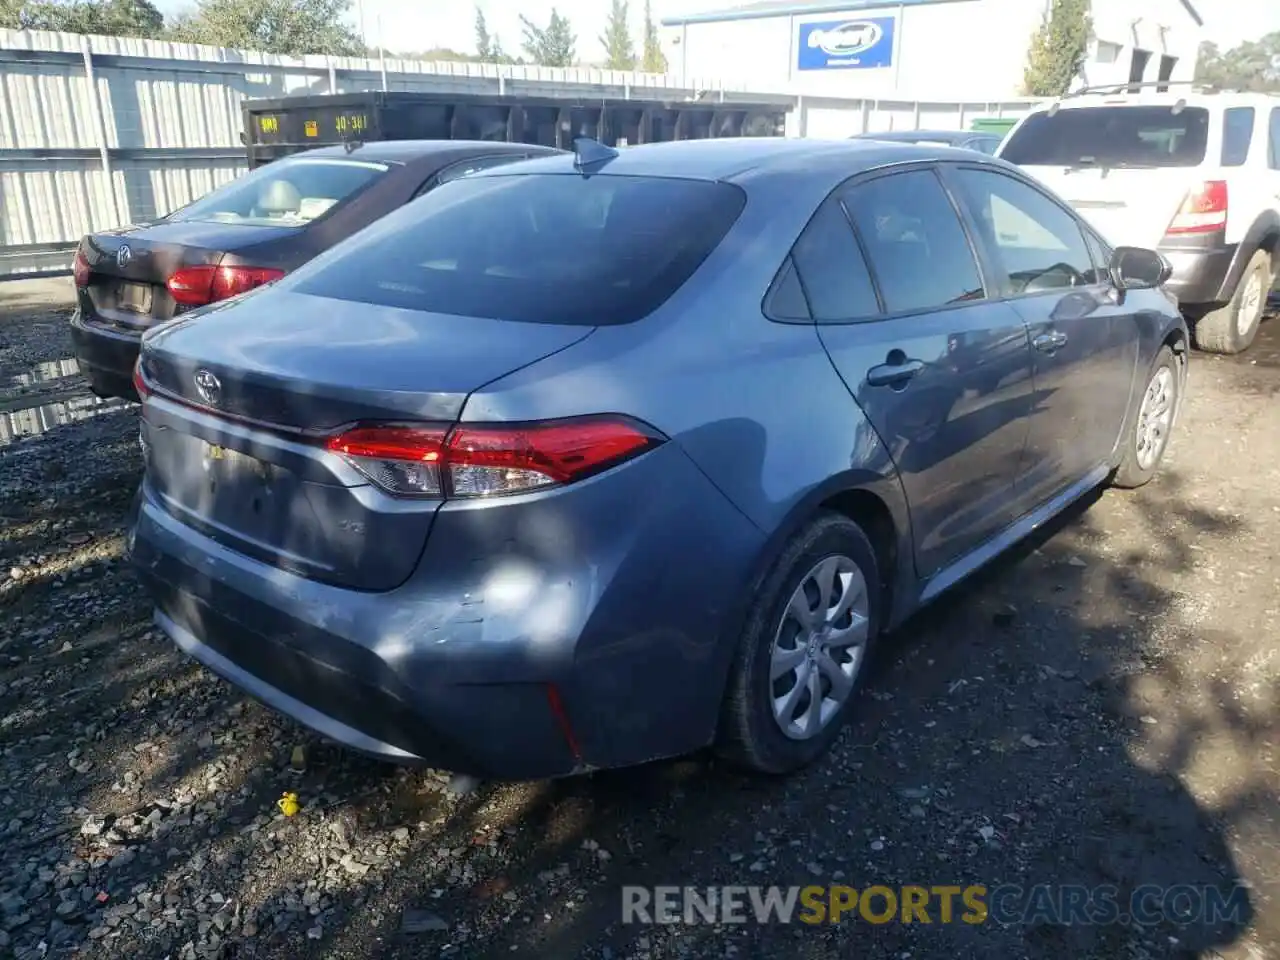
(100, 131)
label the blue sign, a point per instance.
(856, 42)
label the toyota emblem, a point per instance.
(123, 256)
(209, 387)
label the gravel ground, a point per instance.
(1103, 708)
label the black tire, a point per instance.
(1231, 329)
(1134, 470)
(749, 735)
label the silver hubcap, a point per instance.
(818, 649)
(1155, 418)
(1252, 302)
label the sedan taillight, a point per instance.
(196, 286)
(479, 460)
(80, 270)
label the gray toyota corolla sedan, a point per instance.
(592, 459)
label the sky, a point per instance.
(422, 24)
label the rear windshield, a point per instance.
(541, 248)
(1137, 136)
(284, 193)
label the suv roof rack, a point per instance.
(1135, 86)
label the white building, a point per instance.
(921, 49)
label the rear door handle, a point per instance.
(1049, 342)
(891, 374)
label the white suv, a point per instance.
(1194, 174)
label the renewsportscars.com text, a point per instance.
(974, 904)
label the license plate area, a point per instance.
(134, 298)
(227, 463)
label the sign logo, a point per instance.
(843, 44)
(209, 387)
(123, 256)
(848, 39)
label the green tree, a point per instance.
(1058, 49)
(652, 60)
(1253, 66)
(553, 45)
(619, 50)
(291, 27)
(119, 18)
(488, 46)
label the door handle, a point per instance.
(1049, 342)
(892, 374)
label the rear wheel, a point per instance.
(1231, 329)
(804, 649)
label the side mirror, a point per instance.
(1136, 268)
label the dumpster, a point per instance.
(274, 128)
(997, 125)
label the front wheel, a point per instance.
(803, 653)
(1148, 435)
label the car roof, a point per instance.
(411, 151)
(739, 158)
(910, 136)
(1163, 98)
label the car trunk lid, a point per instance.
(129, 267)
(242, 461)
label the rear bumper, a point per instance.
(614, 593)
(1201, 277)
(106, 356)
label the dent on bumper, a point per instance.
(615, 592)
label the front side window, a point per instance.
(284, 193)
(537, 248)
(918, 250)
(1037, 243)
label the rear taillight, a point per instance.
(1203, 211)
(196, 286)
(139, 382)
(80, 270)
(478, 460)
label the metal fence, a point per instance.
(101, 131)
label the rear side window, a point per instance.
(1038, 244)
(1237, 135)
(284, 193)
(918, 249)
(831, 270)
(1136, 136)
(537, 248)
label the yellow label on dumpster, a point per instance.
(311, 128)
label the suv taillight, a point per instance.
(80, 270)
(196, 286)
(478, 460)
(1204, 210)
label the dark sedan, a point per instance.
(246, 233)
(967, 139)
